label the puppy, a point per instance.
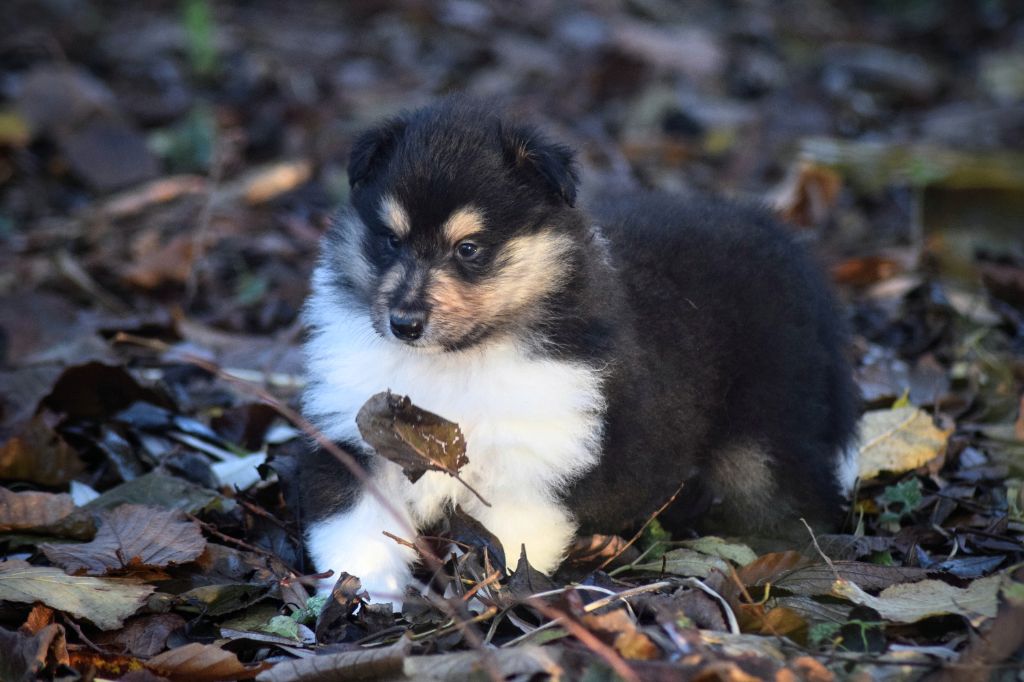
(595, 360)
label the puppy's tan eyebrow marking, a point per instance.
(394, 215)
(464, 222)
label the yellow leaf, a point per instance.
(898, 440)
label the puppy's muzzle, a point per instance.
(407, 325)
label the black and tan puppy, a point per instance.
(594, 359)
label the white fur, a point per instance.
(848, 468)
(531, 424)
(354, 542)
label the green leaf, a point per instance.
(282, 626)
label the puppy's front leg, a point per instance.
(543, 525)
(353, 541)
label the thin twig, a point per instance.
(820, 552)
(643, 527)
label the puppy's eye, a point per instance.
(467, 250)
(394, 241)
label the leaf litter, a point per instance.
(166, 482)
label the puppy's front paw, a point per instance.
(353, 542)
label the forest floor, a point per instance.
(167, 169)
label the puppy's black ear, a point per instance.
(372, 148)
(551, 164)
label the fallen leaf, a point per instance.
(24, 657)
(898, 440)
(521, 662)
(769, 567)
(132, 536)
(686, 562)
(807, 195)
(417, 440)
(201, 663)
(106, 602)
(159, 490)
(818, 579)
(39, 455)
(739, 554)
(143, 636)
(911, 602)
(156, 263)
(779, 621)
(28, 510)
(593, 550)
(109, 665)
(108, 154)
(619, 630)
(365, 664)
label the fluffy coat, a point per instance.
(594, 360)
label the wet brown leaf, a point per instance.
(417, 440)
(132, 536)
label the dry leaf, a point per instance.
(417, 440)
(618, 629)
(365, 664)
(817, 579)
(201, 663)
(103, 601)
(686, 562)
(521, 662)
(132, 536)
(909, 603)
(39, 455)
(768, 568)
(807, 195)
(28, 510)
(143, 636)
(898, 440)
(23, 656)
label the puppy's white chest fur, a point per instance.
(531, 424)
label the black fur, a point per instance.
(717, 333)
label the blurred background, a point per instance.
(177, 161)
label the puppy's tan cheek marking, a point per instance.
(394, 216)
(530, 267)
(455, 309)
(463, 223)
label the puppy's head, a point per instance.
(461, 226)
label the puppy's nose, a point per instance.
(408, 325)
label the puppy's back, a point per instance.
(739, 344)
